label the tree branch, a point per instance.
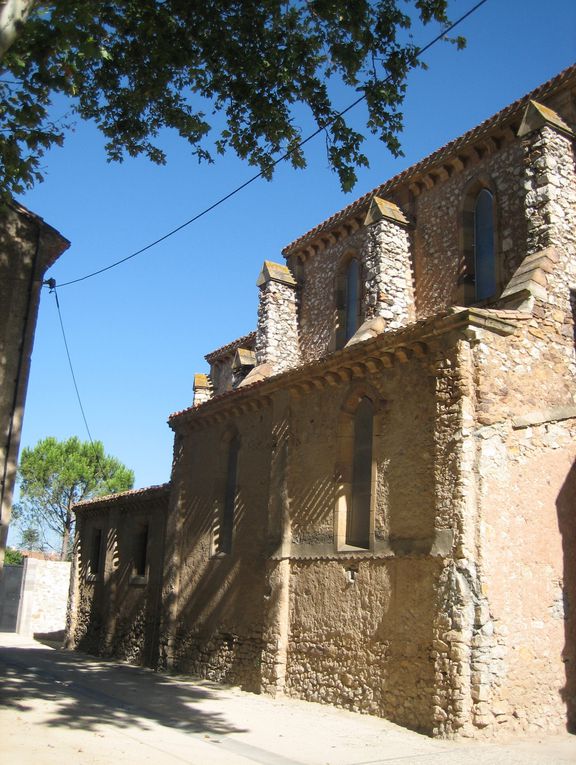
(13, 15)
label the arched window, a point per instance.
(224, 542)
(352, 297)
(359, 510)
(484, 255)
(348, 300)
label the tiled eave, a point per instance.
(469, 148)
(132, 498)
(247, 342)
(378, 353)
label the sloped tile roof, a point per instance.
(150, 492)
(500, 119)
(247, 341)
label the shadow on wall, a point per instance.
(121, 618)
(566, 509)
(89, 692)
(218, 602)
(219, 632)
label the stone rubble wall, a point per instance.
(551, 212)
(317, 313)
(364, 644)
(43, 596)
(388, 288)
(214, 602)
(438, 237)
(277, 337)
(526, 490)
(116, 613)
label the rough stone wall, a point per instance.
(359, 626)
(277, 338)
(117, 613)
(526, 490)
(44, 596)
(27, 247)
(389, 290)
(317, 318)
(364, 643)
(550, 180)
(213, 620)
(526, 456)
(551, 189)
(438, 239)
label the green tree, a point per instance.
(31, 539)
(13, 557)
(135, 67)
(54, 475)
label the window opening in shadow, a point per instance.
(227, 524)
(358, 516)
(140, 557)
(95, 560)
(352, 298)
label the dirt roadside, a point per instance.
(60, 707)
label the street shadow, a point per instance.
(88, 693)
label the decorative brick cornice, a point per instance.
(353, 362)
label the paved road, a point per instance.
(62, 708)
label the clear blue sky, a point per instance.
(138, 333)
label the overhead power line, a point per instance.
(270, 166)
(52, 286)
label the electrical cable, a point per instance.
(51, 283)
(52, 286)
(270, 166)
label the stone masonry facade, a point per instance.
(384, 522)
(28, 247)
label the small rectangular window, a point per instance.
(95, 559)
(140, 551)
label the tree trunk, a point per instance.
(66, 531)
(65, 543)
(13, 14)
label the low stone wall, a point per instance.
(44, 597)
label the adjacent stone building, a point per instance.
(28, 247)
(373, 497)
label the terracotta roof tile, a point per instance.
(247, 341)
(148, 492)
(440, 155)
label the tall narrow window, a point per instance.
(484, 256)
(224, 544)
(352, 298)
(95, 561)
(140, 551)
(358, 516)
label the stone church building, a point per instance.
(373, 496)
